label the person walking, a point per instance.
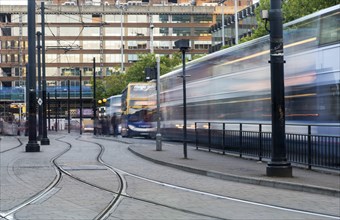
(114, 124)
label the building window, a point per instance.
(181, 31)
(202, 31)
(181, 18)
(203, 18)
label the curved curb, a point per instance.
(248, 180)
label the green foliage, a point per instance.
(196, 56)
(136, 73)
(114, 84)
(291, 10)
(100, 89)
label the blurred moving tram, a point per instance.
(233, 85)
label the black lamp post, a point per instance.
(154, 74)
(94, 98)
(40, 119)
(81, 102)
(32, 145)
(44, 139)
(278, 166)
(49, 110)
(56, 109)
(183, 45)
(68, 107)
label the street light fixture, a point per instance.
(158, 87)
(121, 8)
(44, 139)
(154, 74)
(151, 34)
(236, 22)
(102, 101)
(223, 22)
(94, 97)
(183, 45)
(223, 37)
(32, 145)
(278, 165)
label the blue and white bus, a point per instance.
(137, 103)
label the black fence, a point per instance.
(305, 144)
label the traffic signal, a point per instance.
(150, 73)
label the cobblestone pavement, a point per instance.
(153, 191)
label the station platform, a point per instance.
(233, 168)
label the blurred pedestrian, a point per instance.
(114, 124)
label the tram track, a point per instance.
(122, 184)
(12, 148)
(229, 198)
(60, 171)
(121, 193)
(106, 211)
(9, 213)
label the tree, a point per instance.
(136, 73)
(114, 84)
(291, 10)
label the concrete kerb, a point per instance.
(244, 179)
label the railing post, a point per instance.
(196, 136)
(309, 147)
(223, 140)
(209, 134)
(240, 139)
(260, 142)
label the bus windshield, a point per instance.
(141, 90)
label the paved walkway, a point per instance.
(233, 168)
(230, 167)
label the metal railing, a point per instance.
(305, 144)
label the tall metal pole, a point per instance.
(236, 22)
(68, 107)
(223, 37)
(278, 166)
(94, 98)
(49, 111)
(32, 145)
(44, 140)
(81, 102)
(151, 33)
(121, 40)
(56, 110)
(184, 108)
(158, 134)
(27, 92)
(40, 119)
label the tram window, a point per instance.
(329, 31)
